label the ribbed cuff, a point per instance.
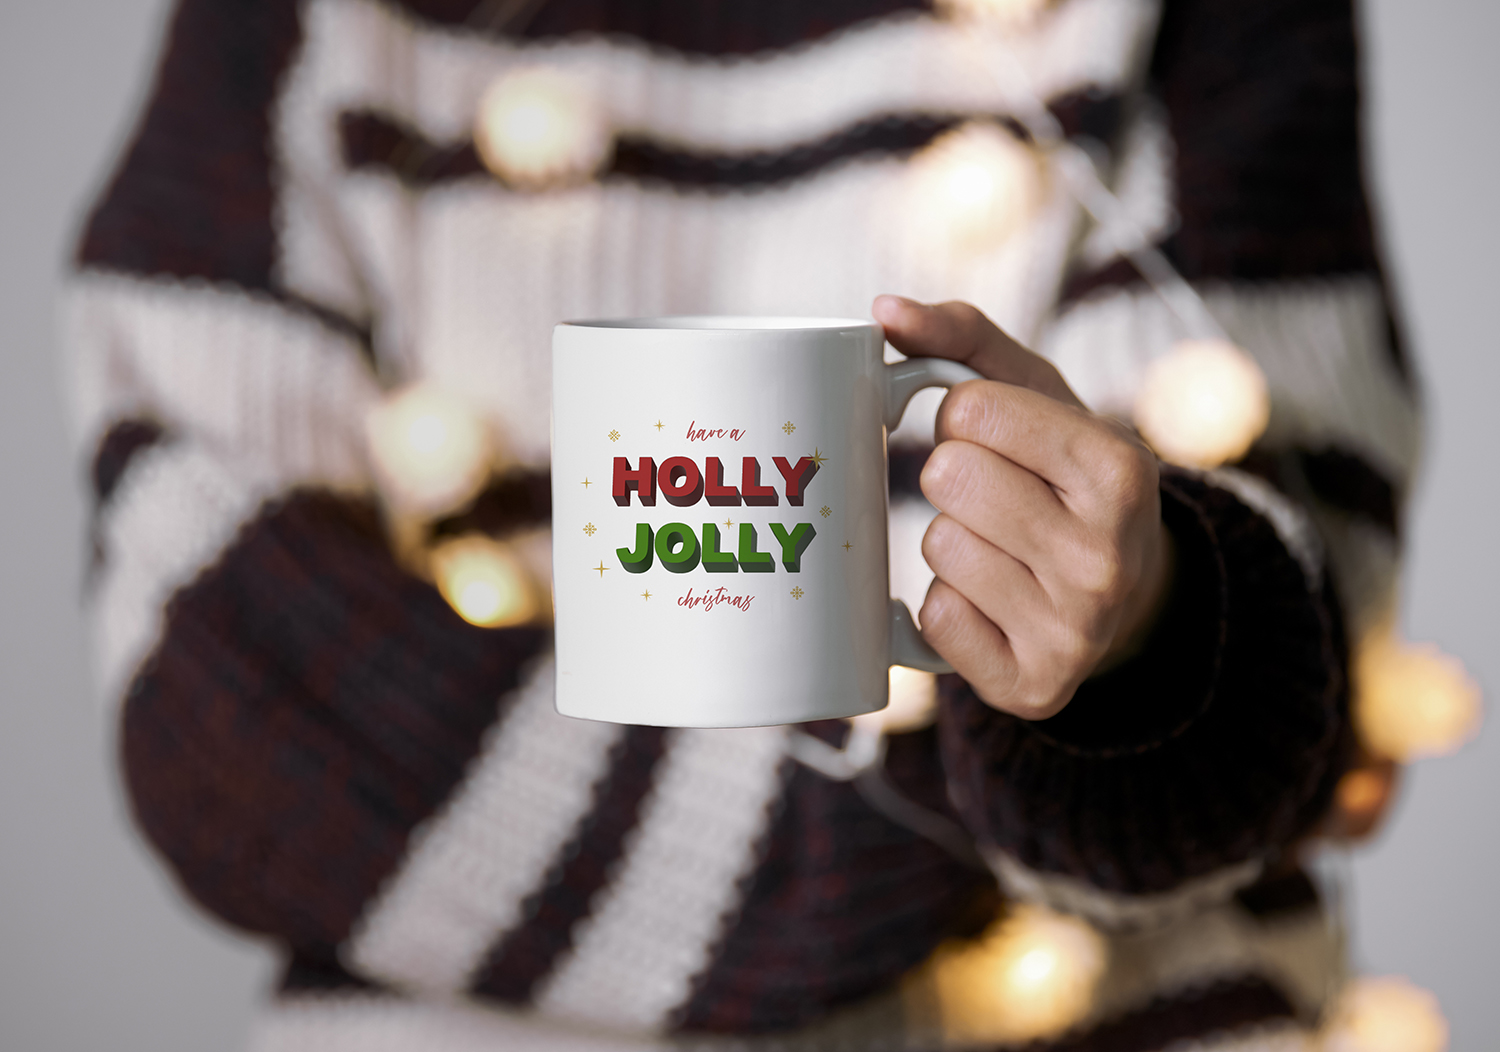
(1203, 751)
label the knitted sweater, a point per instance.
(326, 755)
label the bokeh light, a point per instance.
(484, 581)
(973, 188)
(537, 127)
(431, 451)
(1203, 403)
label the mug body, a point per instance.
(719, 520)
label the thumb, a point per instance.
(961, 332)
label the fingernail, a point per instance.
(903, 300)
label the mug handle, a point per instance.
(902, 380)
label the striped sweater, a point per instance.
(326, 755)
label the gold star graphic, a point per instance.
(789, 427)
(645, 595)
(614, 436)
(659, 425)
(728, 523)
(817, 458)
(798, 593)
(847, 546)
(601, 568)
(585, 483)
(590, 528)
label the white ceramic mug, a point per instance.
(719, 519)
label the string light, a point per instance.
(1005, 12)
(973, 187)
(1203, 403)
(1362, 792)
(1385, 1015)
(431, 451)
(1412, 701)
(484, 581)
(1033, 975)
(537, 127)
(912, 704)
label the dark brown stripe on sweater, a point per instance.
(377, 142)
(195, 193)
(194, 196)
(122, 443)
(1262, 101)
(518, 499)
(315, 975)
(529, 953)
(309, 703)
(1334, 476)
(1218, 1009)
(1346, 481)
(698, 27)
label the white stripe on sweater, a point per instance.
(433, 77)
(1112, 910)
(473, 864)
(364, 1022)
(654, 926)
(1321, 343)
(367, 1022)
(1143, 185)
(234, 372)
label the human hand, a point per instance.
(1051, 558)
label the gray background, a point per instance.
(97, 951)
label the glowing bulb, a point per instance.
(1203, 403)
(484, 581)
(1385, 1015)
(1412, 701)
(1006, 12)
(973, 188)
(1033, 975)
(537, 127)
(1363, 791)
(912, 702)
(431, 451)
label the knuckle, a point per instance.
(1037, 703)
(944, 471)
(963, 410)
(1075, 648)
(1127, 472)
(963, 314)
(940, 541)
(1099, 573)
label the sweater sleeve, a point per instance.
(292, 704)
(1177, 776)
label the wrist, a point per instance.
(1146, 604)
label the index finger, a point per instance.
(961, 332)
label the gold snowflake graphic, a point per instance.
(825, 511)
(589, 529)
(614, 436)
(798, 593)
(789, 427)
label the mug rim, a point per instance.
(724, 323)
